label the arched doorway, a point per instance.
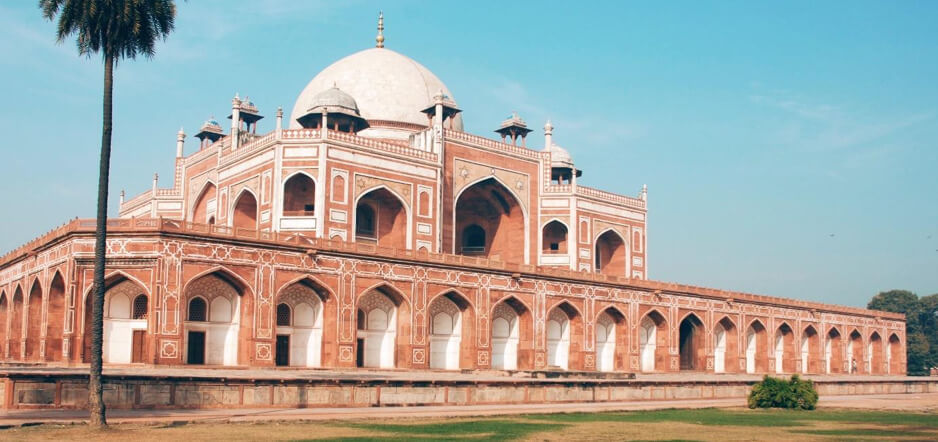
(875, 352)
(4, 312)
(245, 212)
(653, 342)
(855, 353)
(558, 339)
(203, 211)
(212, 320)
(511, 335)
(756, 359)
(16, 325)
(810, 351)
(691, 343)
(299, 326)
(610, 254)
(55, 318)
(611, 341)
(554, 238)
(299, 196)
(833, 352)
(725, 347)
(125, 322)
(33, 322)
(784, 349)
(494, 210)
(381, 218)
(450, 329)
(894, 355)
(381, 315)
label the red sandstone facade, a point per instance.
(372, 240)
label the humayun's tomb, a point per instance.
(367, 231)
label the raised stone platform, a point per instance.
(185, 388)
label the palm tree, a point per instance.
(115, 29)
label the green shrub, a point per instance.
(795, 393)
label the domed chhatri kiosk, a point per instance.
(369, 231)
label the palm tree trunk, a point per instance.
(95, 384)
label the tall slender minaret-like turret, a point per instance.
(180, 142)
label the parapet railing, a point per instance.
(164, 225)
(492, 144)
(611, 197)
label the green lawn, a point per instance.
(705, 424)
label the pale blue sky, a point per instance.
(761, 129)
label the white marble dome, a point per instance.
(385, 84)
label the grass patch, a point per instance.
(475, 430)
(864, 432)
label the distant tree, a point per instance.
(921, 326)
(115, 29)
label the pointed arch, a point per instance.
(554, 234)
(385, 327)
(611, 253)
(451, 325)
(244, 210)
(4, 323)
(725, 346)
(855, 355)
(875, 354)
(833, 351)
(301, 335)
(55, 317)
(117, 346)
(391, 219)
(612, 339)
(784, 348)
(811, 357)
(894, 359)
(213, 337)
(512, 336)
(653, 341)
(33, 322)
(564, 336)
(298, 191)
(204, 207)
(757, 358)
(500, 212)
(16, 323)
(692, 345)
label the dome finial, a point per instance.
(380, 38)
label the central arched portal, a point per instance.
(490, 222)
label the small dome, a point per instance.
(559, 157)
(334, 99)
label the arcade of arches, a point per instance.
(217, 320)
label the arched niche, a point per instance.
(34, 322)
(784, 349)
(382, 218)
(855, 356)
(811, 358)
(725, 346)
(610, 254)
(496, 210)
(383, 329)
(300, 308)
(692, 344)
(834, 352)
(451, 322)
(244, 214)
(875, 352)
(653, 342)
(124, 337)
(204, 206)
(554, 238)
(212, 312)
(756, 340)
(612, 347)
(512, 335)
(55, 318)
